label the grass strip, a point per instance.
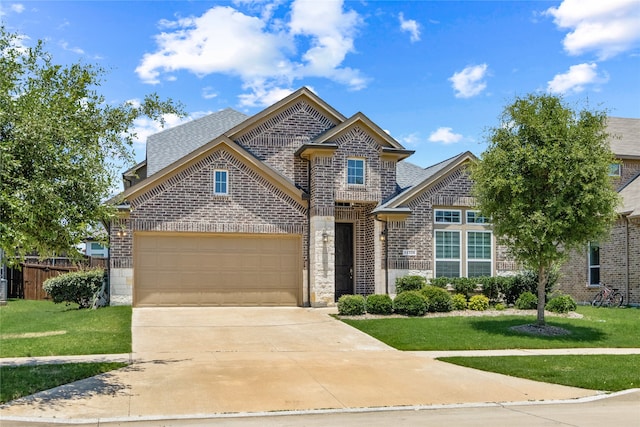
(600, 327)
(20, 381)
(595, 372)
(42, 328)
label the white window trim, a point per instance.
(469, 259)
(466, 217)
(364, 170)
(226, 193)
(435, 251)
(435, 211)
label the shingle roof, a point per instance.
(631, 198)
(626, 136)
(409, 174)
(166, 147)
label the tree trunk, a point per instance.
(542, 283)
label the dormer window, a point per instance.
(220, 182)
(355, 171)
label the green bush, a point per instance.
(459, 302)
(561, 304)
(438, 298)
(379, 304)
(527, 301)
(410, 303)
(409, 283)
(80, 287)
(479, 303)
(500, 306)
(351, 305)
(441, 282)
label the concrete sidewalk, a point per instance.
(199, 362)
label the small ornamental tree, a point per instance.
(544, 182)
(60, 145)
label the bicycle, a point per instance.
(607, 297)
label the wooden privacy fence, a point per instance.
(26, 282)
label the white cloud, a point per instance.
(606, 27)
(208, 93)
(259, 49)
(470, 81)
(445, 135)
(65, 45)
(411, 26)
(576, 79)
(17, 7)
(262, 94)
(410, 140)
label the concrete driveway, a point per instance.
(199, 361)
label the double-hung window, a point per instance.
(594, 263)
(355, 171)
(447, 253)
(479, 253)
(220, 182)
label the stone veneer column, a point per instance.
(322, 261)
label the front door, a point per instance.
(344, 259)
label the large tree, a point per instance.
(61, 146)
(544, 182)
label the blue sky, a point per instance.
(434, 74)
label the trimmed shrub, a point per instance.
(409, 283)
(527, 301)
(459, 302)
(561, 304)
(379, 304)
(80, 287)
(410, 303)
(479, 303)
(500, 306)
(439, 299)
(351, 305)
(441, 282)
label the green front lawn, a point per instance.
(42, 328)
(600, 327)
(594, 372)
(22, 381)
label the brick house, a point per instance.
(616, 260)
(296, 205)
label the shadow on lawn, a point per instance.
(503, 327)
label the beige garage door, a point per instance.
(193, 269)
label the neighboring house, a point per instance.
(95, 249)
(616, 260)
(296, 205)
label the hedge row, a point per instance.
(498, 289)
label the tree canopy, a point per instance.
(544, 182)
(61, 146)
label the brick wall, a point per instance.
(275, 140)
(416, 232)
(618, 265)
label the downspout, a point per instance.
(386, 258)
(308, 304)
(626, 254)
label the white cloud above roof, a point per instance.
(410, 26)
(267, 54)
(576, 79)
(470, 81)
(445, 135)
(606, 27)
